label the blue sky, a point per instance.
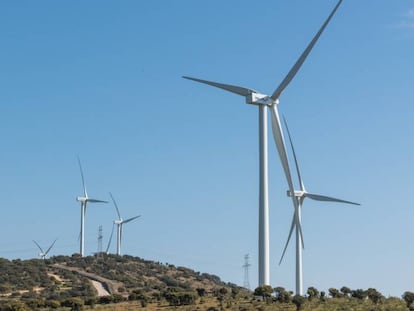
(102, 80)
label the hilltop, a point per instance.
(90, 278)
(110, 282)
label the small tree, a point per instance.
(298, 300)
(374, 295)
(221, 295)
(35, 304)
(105, 299)
(283, 295)
(264, 291)
(346, 291)
(234, 292)
(359, 294)
(334, 292)
(117, 298)
(91, 301)
(75, 304)
(322, 296)
(312, 293)
(52, 304)
(409, 299)
(201, 292)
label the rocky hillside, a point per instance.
(62, 277)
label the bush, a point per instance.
(91, 301)
(105, 299)
(408, 298)
(312, 293)
(176, 298)
(52, 304)
(375, 296)
(298, 300)
(282, 295)
(117, 298)
(14, 306)
(75, 304)
(334, 293)
(359, 294)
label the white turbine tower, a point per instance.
(263, 102)
(84, 200)
(42, 253)
(299, 196)
(119, 222)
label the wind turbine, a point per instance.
(299, 197)
(120, 222)
(263, 102)
(42, 253)
(84, 200)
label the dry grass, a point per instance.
(330, 305)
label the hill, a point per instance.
(110, 282)
(62, 278)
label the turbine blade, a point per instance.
(299, 224)
(302, 186)
(110, 238)
(292, 226)
(239, 90)
(96, 201)
(116, 206)
(38, 246)
(281, 148)
(50, 247)
(83, 179)
(303, 57)
(130, 219)
(318, 197)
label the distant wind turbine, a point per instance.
(42, 253)
(119, 222)
(84, 200)
(263, 102)
(299, 196)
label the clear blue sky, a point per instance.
(102, 80)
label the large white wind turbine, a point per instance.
(299, 196)
(120, 222)
(42, 253)
(263, 102)
(84, 200)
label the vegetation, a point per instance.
(64, 283)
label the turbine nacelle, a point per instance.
(81, 199)
(296, 193)
(42, 253)
(118, 222)
(260, 99)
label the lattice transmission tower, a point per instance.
(246, 266)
